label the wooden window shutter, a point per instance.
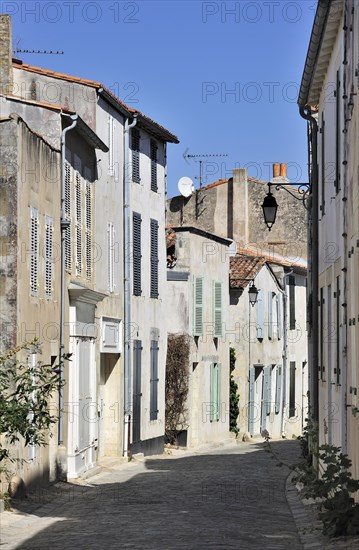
(78, 225)
(34, 251)
(110, 256)
(217, 309)
(337, 133)
(219, 381)
(135, 146)
(279, 316)
(88, 226)
(278, 388)
(154, 381)
(260, 315)
(267, 388)
(291, 280)
(197, 306)
(48, 256)
(292, 389)
(136, 234)
(67, 213)
(252, 376)
(154, 259)
(154, 166)
(270, 315)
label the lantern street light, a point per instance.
(253, 294)
(280, 181)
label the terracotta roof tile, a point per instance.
(243, 268)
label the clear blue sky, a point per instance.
(222, 76)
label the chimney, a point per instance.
(283, 170)
(276, 170)
(6, 80)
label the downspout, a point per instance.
(64, 224)
(285, 350)
(313, 271)
(127, 284)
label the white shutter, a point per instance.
(78, 225)
(110, 145)
(88, 230)
(34, 251)
(110, 256)
(49, 227)
(67, 212)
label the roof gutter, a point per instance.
(319, 25)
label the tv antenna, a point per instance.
(44, 52)
(200, 157)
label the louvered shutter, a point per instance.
(67, 212)
(197, 306)
(154, 381)
(88, 225)
(270, 315)
(110, 145)
(292, 389)
(34, 251)
(217, 309)
(154, 259)
(260, 315)
(110, 256)
(135, 147)
(48, 256)
(266, 390)
(291, 280)
(213, 390)
(78, 225)
(136, 232)
(153, 166)
(279, 316)
(251, 400)
(278, 388)
(219, 386)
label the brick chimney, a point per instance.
(6, 80)
(283, 170)
(276, 170)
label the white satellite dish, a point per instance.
(186, 186)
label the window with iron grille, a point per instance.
(154, 166)
(78, 225)
(67, 213)
(154, 381)
(34, 251)
(136, 235)
(135, 146)
(48, 256)
(154, 259)
(110, 256)
(88, 227)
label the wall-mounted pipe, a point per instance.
(64, 224)
(127, 284)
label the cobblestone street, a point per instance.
(230, 497)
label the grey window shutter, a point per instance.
(291, 280)
(292, 389)
(154, 166)
(279, 316)
(260, 315)
(337, 133)
(267, 388)
(136, 230)
(197, 306)
(154, 381)
(135, 146)
(48, 256)
(78, 225)
(251, 415)
(88, 226)
(270, 315)
(278, 388)
(154, 259)
(34, 251)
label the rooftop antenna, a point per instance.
(200, 177)
(47, 52)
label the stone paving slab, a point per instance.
(228, 497)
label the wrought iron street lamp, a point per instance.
(253, 294)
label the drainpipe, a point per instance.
(313, 271)
(127, 284)
(64, 224)
(285, 349)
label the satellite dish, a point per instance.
(185, 186)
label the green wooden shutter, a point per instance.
(260, 315)
(270, 315)
(197, 306)
(154, 259)
(212, 392)
(136, 234)
(217, 309)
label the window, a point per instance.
(215, 391)
(337, 134)
(154, 381)
(154, 259)
(110, 257)
(197, 306)
(67, 215)
(153, 166)
(279, 316)
(291, 280)
(110, 145)
(270, 315)
(78, 225)
(217, 309)
(278, 388)
(48, 256)
(88, 226)
(136, 233)
(260, 315)
(135, 146)
(34, 251)
(292, 389)
(267, 388)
